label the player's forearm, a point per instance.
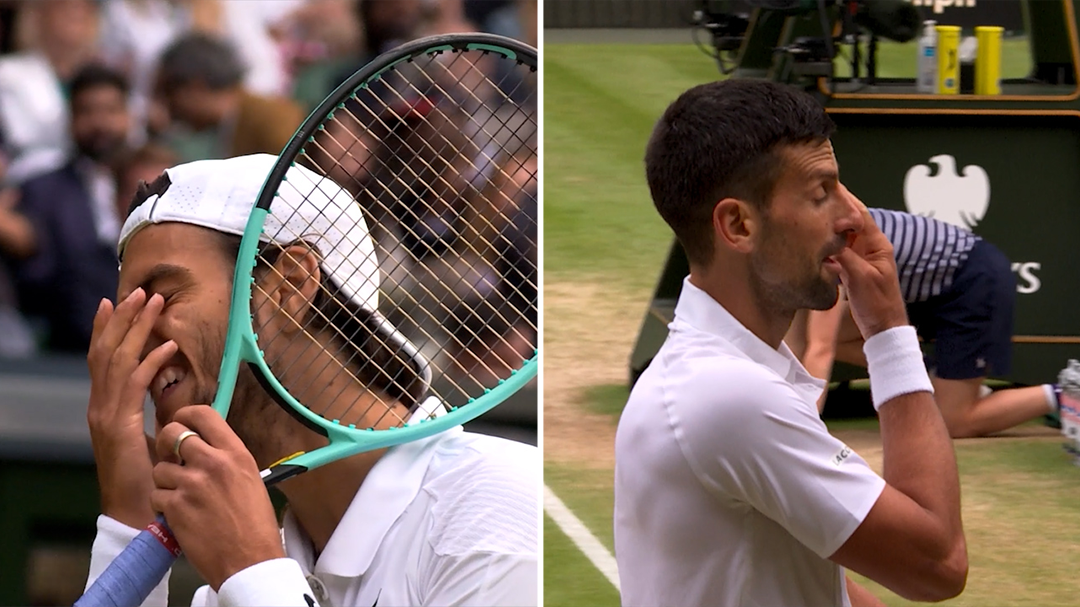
(818, 360)
(918, 453)
(919, 460)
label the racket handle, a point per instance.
(136, 571)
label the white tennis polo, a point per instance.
(729, 490)
(448, 520)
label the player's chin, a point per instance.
(825, 294)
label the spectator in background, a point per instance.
(73, 211)
(528, 17)
(16, 241)
(134, 33)
(495, 16)
(508, 207)
(385, 25)
(200, 79)
(142, 165)
(250, 27)
(60, 36)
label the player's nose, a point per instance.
(852, 212)
(155, 339)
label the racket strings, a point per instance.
(384, 187)
(473, 69)
(347, 352)
(344, 355)
(481, 153)
(481, 216)
(431, 295)
(452, 312)
(442, 161)
(424, 91)
(521, 141)
(327, 321)
(444, 279)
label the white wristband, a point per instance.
(895, 362)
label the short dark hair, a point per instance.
(720, 140)
(200, 57)
(96, 75)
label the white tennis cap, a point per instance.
(220, 195)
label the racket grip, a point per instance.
(136, 571)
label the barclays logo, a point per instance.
(939, 6)
(960, 198)
(937, 189)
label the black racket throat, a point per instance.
(281, 472)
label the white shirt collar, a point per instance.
(700, 311)
(391, 485)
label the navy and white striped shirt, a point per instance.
(928, 251)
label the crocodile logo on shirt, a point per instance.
(841, 456)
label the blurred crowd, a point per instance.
(98, 95)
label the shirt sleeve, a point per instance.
(750, 437)
(273, 583)
(112, 537)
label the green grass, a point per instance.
(1021, 517)
(600, 103)
(607, 400)
(570, 580)
(587, 492)
(1022, 522)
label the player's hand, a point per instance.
(868, 272)
(118, 385)
(215, 502)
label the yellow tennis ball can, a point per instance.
(988, 60)
(948, 46)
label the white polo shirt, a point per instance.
(448, 520)
(729, 490)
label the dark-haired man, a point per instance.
(73, 212)
(452, 519)
(200, 79)
(729, 489)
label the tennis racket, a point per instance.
(431, 151)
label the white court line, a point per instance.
(578, 533)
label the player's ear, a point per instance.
(289, 286)
(735, 224)
(298, 265)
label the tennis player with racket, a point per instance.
(266, 261)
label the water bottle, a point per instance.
(926, 62)
(1069, 381)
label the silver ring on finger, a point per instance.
(186, 434)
